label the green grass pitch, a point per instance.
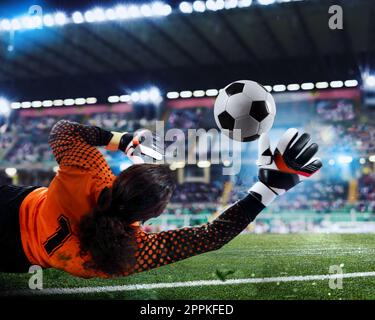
(247, 256)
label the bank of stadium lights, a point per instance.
(53, 103)
(200, 6)
(145, 96)
(120, 12)
(124, 12)
(276, 88)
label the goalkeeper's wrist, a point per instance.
(263, 193)
(117, 141)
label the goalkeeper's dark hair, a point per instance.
(139, 193)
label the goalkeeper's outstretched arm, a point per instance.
(291, 162)
(158, 249)
(67, 138)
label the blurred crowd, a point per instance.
(27, 145)
(31, 138)
(198, 192)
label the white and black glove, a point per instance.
(137, 145)
(292, 162)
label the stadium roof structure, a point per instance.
(288, 42)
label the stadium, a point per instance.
(131, 65)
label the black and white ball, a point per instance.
(245, 105)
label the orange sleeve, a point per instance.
(73, 144)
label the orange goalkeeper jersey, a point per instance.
(49, 217)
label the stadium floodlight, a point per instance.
(179, 164)
(204, 164)
(167, 10)
(5, 24)
(146, 10)
(244, 3)
(89, 16)
(79, 101)
(230, 4)
(351, 83)
(336, 84)
(212, 92)
(60, 18)
(4, 107)
(186, 94)
(11, 172)
(91, 100)
(58, 102)
(144, 96)
(37, 22)
(215, 5)
(199, 6)
(121, 12)
(227, 163)
(186, 7)
(133, 12)
(161, 9)
(155, 96)
(172, 95)
(371, 158)
(321, 85)
(26, 104)
(15, 105)
(198, 93)
(77, 17)
(113, 99)
(111, 14)
(307, 86)
(279, 88)
(135, 97)
(47, 103)
(266, 2)
(16, 24)
(344, 159)
(99, 14)
(48, 20)
(268, 88)
(293, 87)
(125, 98)
(36, 104)
(369, 81)
(69, 102)
(26, 22)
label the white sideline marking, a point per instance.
(198, 283)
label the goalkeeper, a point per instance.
(88, 222)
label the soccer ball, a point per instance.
(245, 105)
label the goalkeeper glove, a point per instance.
(292, 162)
(136, 145)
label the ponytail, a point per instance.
(110, 240)
(139, 193)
